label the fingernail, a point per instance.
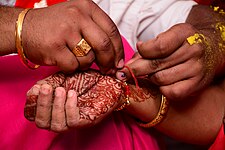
(120, 64)
(120, 75)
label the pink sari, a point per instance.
(118, 132)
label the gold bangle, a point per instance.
(160, 116)
(127, 100)
(19, 45)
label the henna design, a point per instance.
(146, 90)
(97, 94)
(30, 108)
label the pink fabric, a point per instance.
(118, 132)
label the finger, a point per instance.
(180, 90)
(72, 111)
(31, 103)
(165, 43)
(86, 61)
(73, 116)
(143, 67)
(107, 25)
(68, 65)
(83, 61)
(44, 103)
(58, 122)
(178, 73)
(101, 44)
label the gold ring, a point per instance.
(82, 48)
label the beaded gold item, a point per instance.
(164, 106)
(19, 45)
(127, 101)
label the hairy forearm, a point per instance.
(8, 19)
(211, 23)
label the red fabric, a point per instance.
(30, 3)
(220, 3)
(26, 3)
(219, 143)
(204, 2)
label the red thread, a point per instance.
(133, 76)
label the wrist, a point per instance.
(144, 103)
(7, 24)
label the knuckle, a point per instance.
(113, 30)
(73, 10)
(104, 44)
(173, 93)
(154, 64)
(162, 46)
(159, 77)
(58, 107)
(90, 59)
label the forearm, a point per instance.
(211, 23)
(8, 19)
(196, 120)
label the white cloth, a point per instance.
(145, 19)
(7, 2)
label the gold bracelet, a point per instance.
(127, 100)
(19, 45)
(160, 116)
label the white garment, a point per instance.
(145, 19)
(7, 2)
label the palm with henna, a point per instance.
(62, 101)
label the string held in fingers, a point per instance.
(127, 100)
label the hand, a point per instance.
(169, 61)
(60, 102)
(50, 34)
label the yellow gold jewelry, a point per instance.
(82, 48)
(127, 100)
(19, 45)
(160, 116)
(196, 39)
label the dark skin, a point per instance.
(49, 35)
(177, 67)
